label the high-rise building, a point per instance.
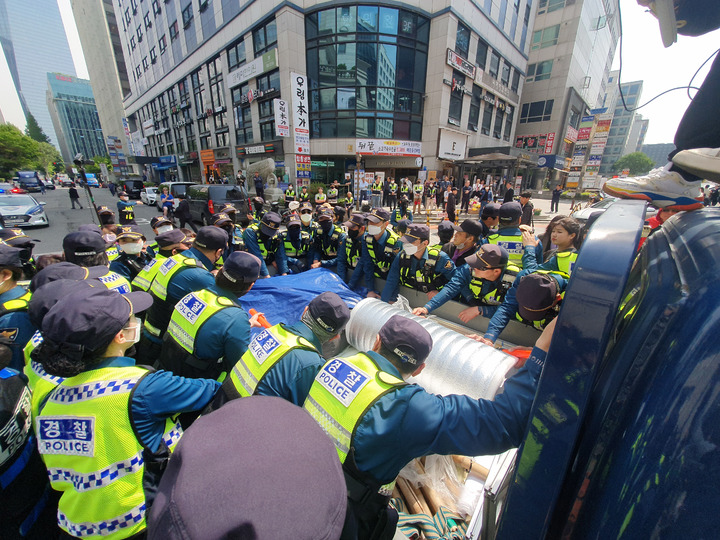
(34, 42)
(658, 152)
(571, 52)
(636, 135)
(72, 108)
(404, 88)
(622, 121)
(100, 40)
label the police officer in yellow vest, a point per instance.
(351, 246)
(327, 241)
(418, 267)
(18, 239)
(169, 243)
(379, 422)
(509, 235)
(209, 331)
(564, 235)
(177, 276)
(298, 244)
(482, 283)
(15, 326)
(289, 195)
(87, 249)
(304, 196)
(380, 248)
(283, 360)
(261, 239)
(333, 193)
(106, 431)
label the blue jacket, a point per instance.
(342, 262)
(394, 216)
(460, 285)
(191, 279)
(321, 238)
(292, 377)
(507, 310)
(226, 334)
(252, 245)
(16, 326)
(409, 422)
(119, 267)
(368, 265)
(443, 266)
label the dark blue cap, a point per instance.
(378, 214)
(227, 208)
(241, 266)
(220, 219)
(10, 256)
(90, 227)
(16, 237)
(270, 223)
(325, 214)
(356, 220)
(491, 210)
(509, 212)
(65, 270)
(407, 339)
(211, 238)
(94, 316)
(294, 220)
(415, 232)
(329, 311)
(129, 231)
(104, 210)
(487, 257)
(445, 226)
(222, 481)
(536, 295)
(171, 238)
(82, 243)
(45, 297)
(159, 221)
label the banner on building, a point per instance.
(458, 62)
(550, 143)
(387, 147)
(265, 63)
(301, 122)
(571, 134)
(282, 120)
(452, 145)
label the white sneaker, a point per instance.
(661, 187)
(664, 10)
(702, 162)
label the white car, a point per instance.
(149, 195)
(22, 211)
(583, 214)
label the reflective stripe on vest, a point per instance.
(170, 267)
(377, 187)
(320, 198)
(418, 189)
(353, 249)
(265, 350)
(566, 261)
(425, 278)
(497, 295)
(17, 304)
(115, 282)
(392, 188)
(343, 391)
(145, 277)
(382, 265)
(112, 253)
(93, 457)
(329, 246)
(191, 313)
(332, 193)
(40, 382)
(290, 249)
(513, 244)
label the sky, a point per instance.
(644, 59)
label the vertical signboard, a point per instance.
(282, 120)
(301, 123)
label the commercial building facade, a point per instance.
(623, 119)
(388, 87)
(658, 152)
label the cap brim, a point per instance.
(139, 301)
(374, 219)
(473, 261)
(268, 231)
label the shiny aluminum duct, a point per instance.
(456, 365)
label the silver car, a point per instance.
(22, 211)
(149, 195)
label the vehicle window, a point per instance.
(234, 194)
(17, 200)
(179, 189)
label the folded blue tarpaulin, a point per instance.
(283, 298)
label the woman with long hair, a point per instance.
(565, 235)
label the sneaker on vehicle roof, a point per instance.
(702, 162)
(661, 187)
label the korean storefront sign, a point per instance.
(301, 120)
(387, 147)
(459, 63)
(266, 62)
(282, 120)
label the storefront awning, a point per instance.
(499, 157)
(163, 167)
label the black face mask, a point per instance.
(228, 229)
(294, 233)
(354, 233)
(264, 238)
(326, 225)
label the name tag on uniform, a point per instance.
(342, 380)
(191, 307)
(167, 266)
(512, 247)
(66, 435)
(149, 265)
(263, 345)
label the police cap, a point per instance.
(65, 270)
(536, 295)
(487, 257)
(407, 339)
(241, 266)
(83, 243)
(329, 311)
(270, 224)
(211, 238)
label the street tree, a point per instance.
(47, 157)
(95, 168)
(637, 162)
(34, 131)
(16, 150)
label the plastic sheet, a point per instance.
(283, 298)
(456, 365)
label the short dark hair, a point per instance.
(59, 364)
(403, 367)
(99, 259)
(238, 288)
(16, 272)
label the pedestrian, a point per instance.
(259, 184)
(74, 197)
(450, 202)
(42, 186)
(377, 191)
(465, 197)
(527, 209)
(183, 213)
(111, 188)
(392, 194)
(509, 193)
(555, 199)
(167, 201)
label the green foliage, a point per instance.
(96, 167)
(47, 157)
(34, 131)
(58, 166)
(17, 151)
(637, 162)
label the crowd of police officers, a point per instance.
(113, 348)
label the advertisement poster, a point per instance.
(282, 120)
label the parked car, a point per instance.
(149, 195)
(22, 211)
(132, 187)
(176, 188)
(28, 180)
(64, 180)
(49, 184)
(583, 214)
(206, 199)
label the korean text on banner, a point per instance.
(301, 122)
(282, 120)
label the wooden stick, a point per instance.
(421, 500)
(472, 468)
(413, 505)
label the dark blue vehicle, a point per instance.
(28, 180)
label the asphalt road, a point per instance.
(63, 219)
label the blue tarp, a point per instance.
(283, 298)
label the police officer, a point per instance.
(533, 299)
(289, 195)
(237, 228)
(405, 188)
(87, 249)
(465, 241)
(223, 221)
(327, 242)
(351, 246)
(481, 283)
(381, 247)
(209, 331)
(379, 422)
(169, 243)
(123, 415)
(445, 232)
(418, 267)
(177, 276)
(258, 209)
(283, 360)
(401, 212)
(18, 239)
(159, 225)
(126, 209)
(509, 234)
(392, 194)
(376, 191)
(297, 244)
(15, 326)
(133, 256)
(261, 239)
(304, 196)
(349, 202)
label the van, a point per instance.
(206, 199)
(28, 180)
(176, 189)
(132, 188)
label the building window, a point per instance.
(475, 104)
(187, 15)
(173, 30)
(156, 7)
(497, 127)
(267, 130)
(505, 75)
(515, 81)
(548, 6)
(127, 16)
(242, 114)
(198, 83)
(264, 37)
(456, 98)
(132, 42)
(540, 71)
(138, 73)
(236, 55)
(462, 41)
(217, 92)
(494, 64)
(508, 124)
(537, 111)
(147, 21)
(162, 44)
(481, 56)
(547, 37)
(526, 19)
(145, 63)
(222, 139)
(270, 82)
(139, 33)
(205, 142)
(487, 117)
(203, 5)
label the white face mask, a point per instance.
(134, 337)
(410, 249)
(132, 249)
(306, 218)
(164, 229)
(374, 229)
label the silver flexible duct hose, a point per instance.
(456, 365)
